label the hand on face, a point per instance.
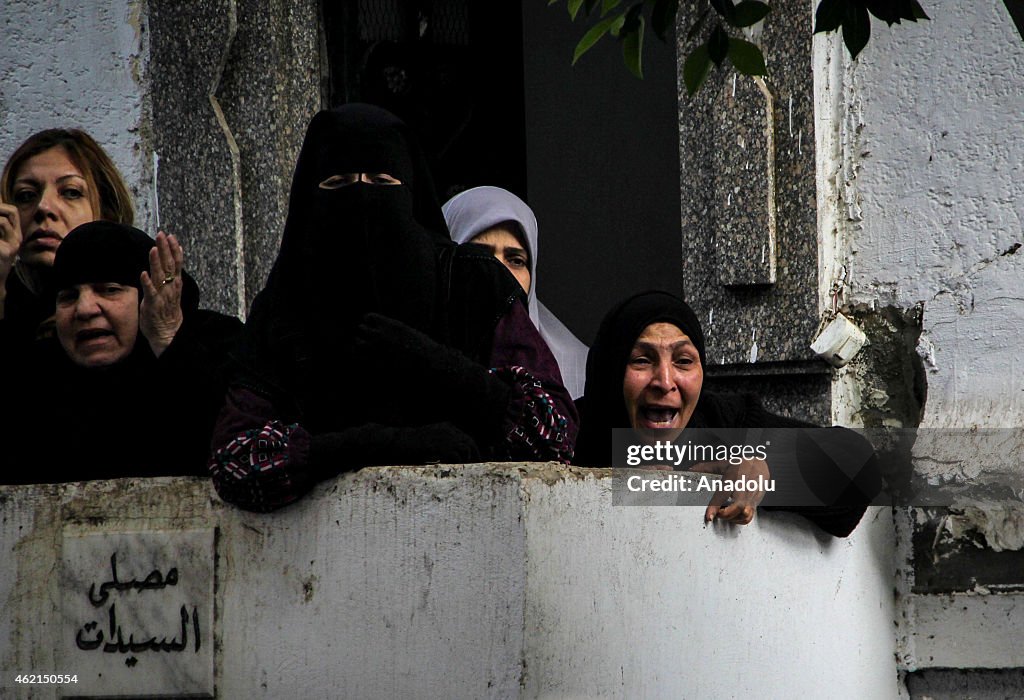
(736, 507)
(10, 240)
(160, 316)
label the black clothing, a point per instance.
(27, 316)
(603, 409)
(145, 416)
(142, 416)
(358, 249)
(602, 401)
(376, 340)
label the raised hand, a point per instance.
(10, 242)
(160, 316)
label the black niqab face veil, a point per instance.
(360, 247)
(347, 251)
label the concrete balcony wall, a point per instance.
(462, 582)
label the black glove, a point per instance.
(451, 387)
(380, 445)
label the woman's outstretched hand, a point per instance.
(734, 506)
(10, 242)
(160, 316)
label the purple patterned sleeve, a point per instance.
(258, 462)
(536, 429)
(541, 422)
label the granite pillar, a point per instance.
(234, 85)
(748, 211)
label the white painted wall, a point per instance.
(80, 63)
(921, 196)
(482, 581)
(923, 162)
(646, 602)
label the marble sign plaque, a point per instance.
(138, 613)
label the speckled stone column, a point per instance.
(747, 203)
(234, 85)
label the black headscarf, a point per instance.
(359, 247)
(104, 251)
(138, 417)
(356, 249)
(603, 406)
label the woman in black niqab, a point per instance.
(371, 342)
(347, 249)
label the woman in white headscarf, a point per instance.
(499, 220)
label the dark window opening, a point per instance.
(451, 69)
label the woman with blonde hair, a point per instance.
(55, 181)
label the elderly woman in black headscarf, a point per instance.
(645, 371)
(132, 382)
(376, 340)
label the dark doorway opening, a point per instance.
(489, 87)
(451, 69)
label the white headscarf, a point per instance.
(474, 211)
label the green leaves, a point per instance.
(663, 17)
(696, 69)
(747, 13)
(746, 57)
(829, 16)
(718, 45)
(854, 18)
(592, 35)
(632, 45)
(628, 26)
(609, 5)
(892, 11)
(627, 21)
(856, 28)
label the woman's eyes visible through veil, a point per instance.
(337, 181)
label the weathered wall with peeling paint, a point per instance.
(927, 174)
(80, 64)
(480, 581)
(921, 199)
